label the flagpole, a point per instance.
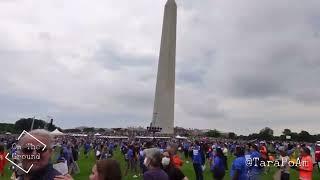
(32, 123)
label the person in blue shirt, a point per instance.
(131, 154)
(198, 159)
(111, 149)
(218, 166)
(186, 146)
(143, 168)
(255, 170)
(239, 169)
(87, 149)
(65, 153)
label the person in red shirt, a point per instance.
(3, 160)
(317, 156)
(306, 164)
(264, 151)
(175, 159)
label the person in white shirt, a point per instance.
(225, 153)
(284, 165)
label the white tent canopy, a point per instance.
(57, 133)
(181, 137)
(151, 137)
(97, 134)
(115, 137)
(78, 135)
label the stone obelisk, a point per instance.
(163, 111)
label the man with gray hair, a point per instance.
(34, 153)
(152, 161)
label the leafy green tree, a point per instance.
(7, 127)
(232, 135)
(294, 136)
(91, 129)
(101, 130)
(287, 132)
(253, 136)
(72, 130)
(305, 136)
(25, 124)
(266, 134)
(213, 133)
(316, 137)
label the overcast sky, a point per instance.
(241, 65)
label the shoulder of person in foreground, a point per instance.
(179, 174)
(160, 174)
(147, 175)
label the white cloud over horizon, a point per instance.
(241, 66)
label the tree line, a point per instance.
(268, 134)
(25, 124)
(264, 134)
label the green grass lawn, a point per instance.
(86, 164)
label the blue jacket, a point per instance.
(198, 156)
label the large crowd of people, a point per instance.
(155, 159)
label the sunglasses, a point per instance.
(28, 150)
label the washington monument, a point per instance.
(163, 110)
